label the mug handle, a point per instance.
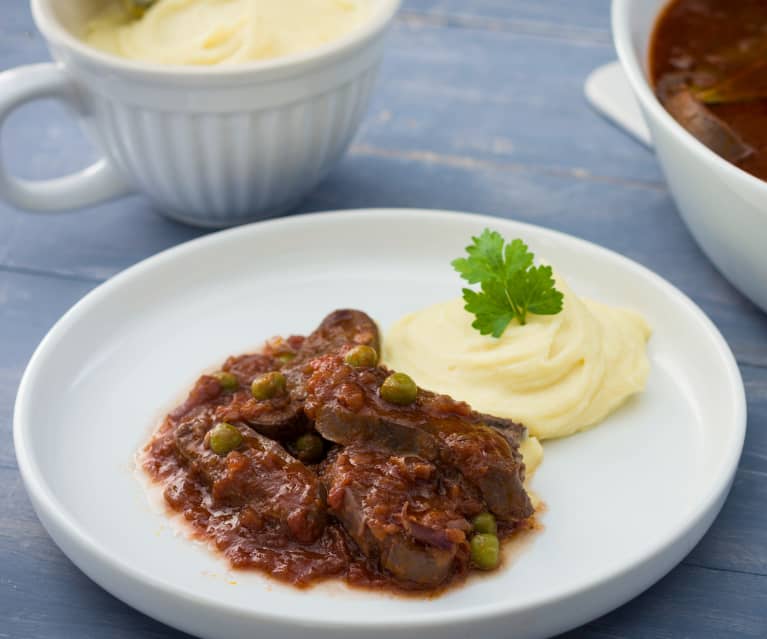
(97, 183)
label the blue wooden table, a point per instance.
(479, 107)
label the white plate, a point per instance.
(626, 501)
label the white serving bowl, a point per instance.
(724, 207)
(209, 146)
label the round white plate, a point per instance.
(626, 501)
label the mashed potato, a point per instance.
(532, 454)
(211, 32)
(557, 374)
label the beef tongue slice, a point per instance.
(339, 331)
(280, 418)
(401, 512)
(347, 408)
(259, 474)
(345, 327)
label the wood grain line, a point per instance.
(473, 164)
(585, 35)
(746, 361)
(24, 270)
(734, 571)
(747, 364)
(758, 473)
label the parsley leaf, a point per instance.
(510, 286)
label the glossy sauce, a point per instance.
(697, 39)
(222, 512)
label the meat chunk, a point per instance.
(259, 476)
(347, 408)
(343, 427)
(279, 418)
(401, 512)
(283, 417)
(513, 432)
(675, 94)
(205, 393)
(342, 328)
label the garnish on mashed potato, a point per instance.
(557, 373)
(510, 285)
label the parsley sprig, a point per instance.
(510, 285)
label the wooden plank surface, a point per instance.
(490, 117)
(556, 18)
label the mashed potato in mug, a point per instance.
(557, 374)
(218, 32)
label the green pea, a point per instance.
(485, 523)
(227, 380)
(399, 388)
(362, 357)
(224, 438)
(269, 385)
(284, 358)
(309, 447)
(485, 551)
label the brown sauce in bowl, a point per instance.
(708, 64)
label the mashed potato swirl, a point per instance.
(557, 374)
(221, 32)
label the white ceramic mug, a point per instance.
(209, 146)
(724, 207)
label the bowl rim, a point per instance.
(55, 33)
(633, 68)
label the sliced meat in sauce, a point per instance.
(205, 396)
(674, 93)
(390, 504)
(283, 417)
(342, 328)
(280, 418)
(513, 432)
(401, 511)
(347, 407)
(259, 475)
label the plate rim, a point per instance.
(43, 500)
